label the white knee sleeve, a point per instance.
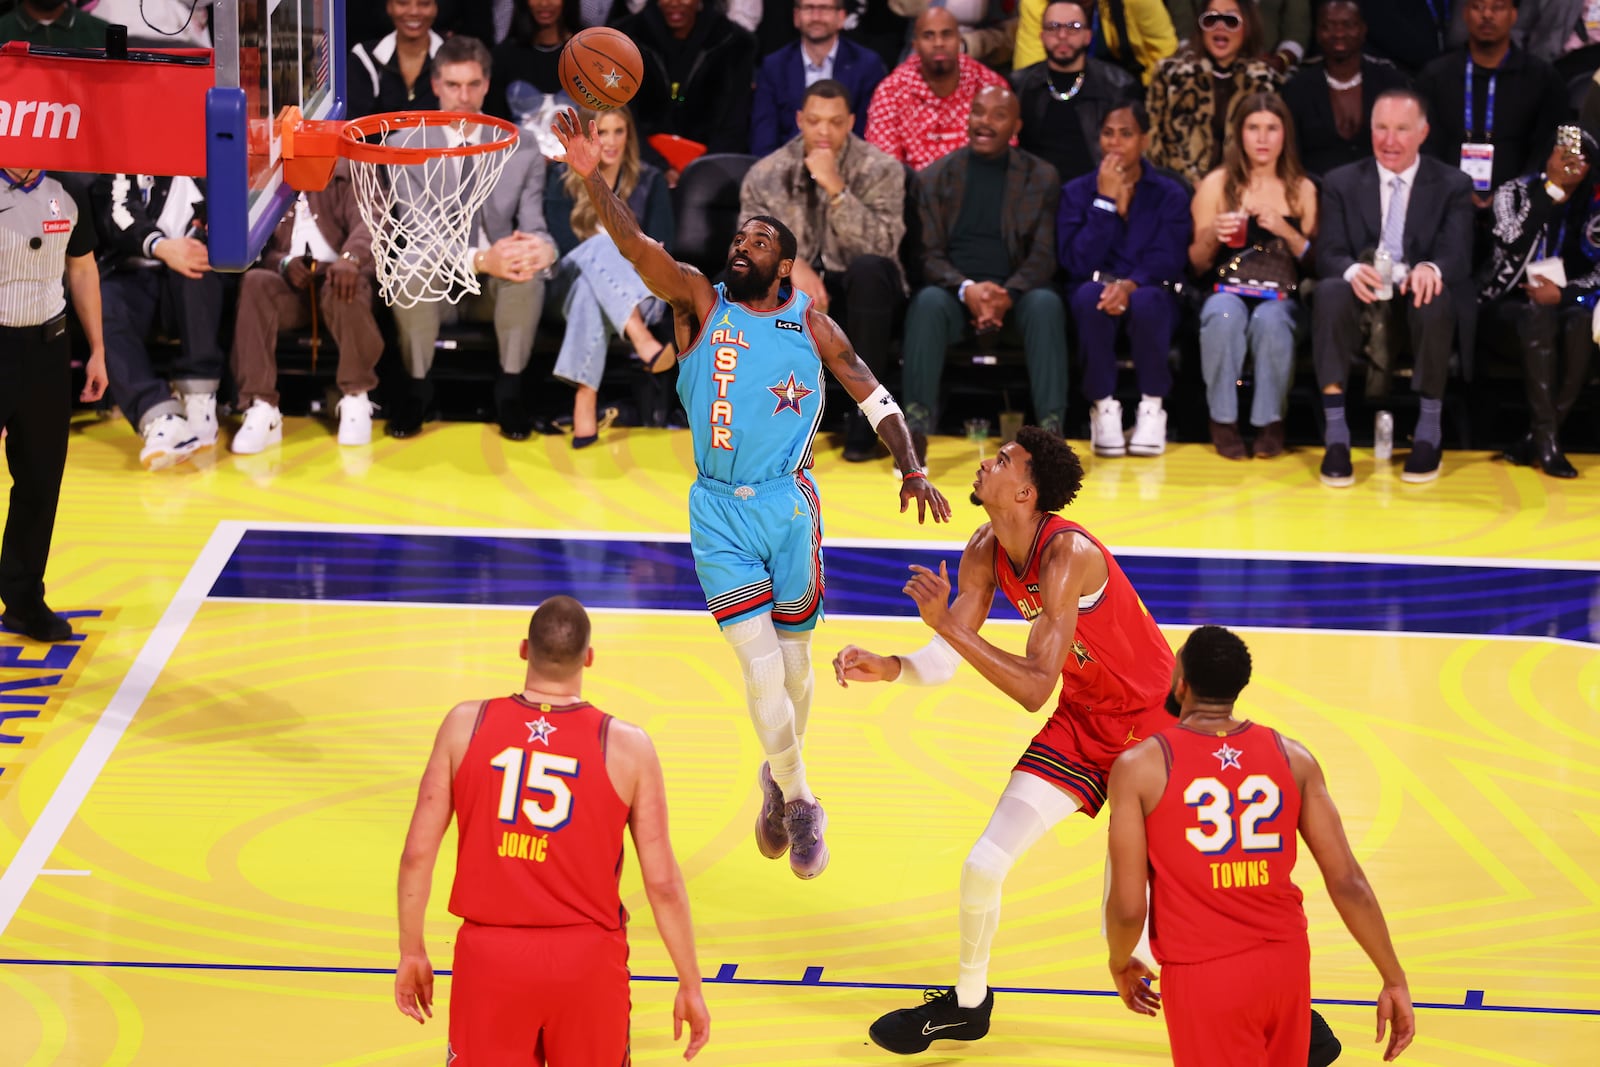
(798, 678)
(983, 874)
(755, 642)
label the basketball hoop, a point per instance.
(421, 177)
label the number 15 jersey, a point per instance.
(1222, 842)
(539, 825)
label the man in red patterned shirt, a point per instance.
(919, 112)
(1206, 816)
(542, 784)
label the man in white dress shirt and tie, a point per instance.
(1419, 211)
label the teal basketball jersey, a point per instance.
(752, 386)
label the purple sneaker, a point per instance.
(772, 837)
(804, 821)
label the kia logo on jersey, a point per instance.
(784, 324)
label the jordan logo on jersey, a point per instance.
(1228, 756)
(789, 395)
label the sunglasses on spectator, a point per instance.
(1226, 19)
(1065, 27)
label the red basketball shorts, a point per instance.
(1075, 750)
(525, 995)
(1248, 1010)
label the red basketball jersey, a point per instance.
(539, 826)
(1222, 842)
(1119, 661)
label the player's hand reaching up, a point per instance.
(1133, 986)
(854, 664)
(690, 1007)
(931, 592)
(1394, 1009)
(413, 987)
(582, 148)
(929, 500)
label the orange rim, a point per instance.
(353, 143)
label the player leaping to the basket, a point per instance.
(752, 351)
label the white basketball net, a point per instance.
(421, 214)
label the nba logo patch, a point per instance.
(55, 208)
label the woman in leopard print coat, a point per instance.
(1193, 94)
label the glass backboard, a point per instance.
(270, 54)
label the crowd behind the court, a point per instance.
(1092, 182)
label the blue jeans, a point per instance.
(602, 291)
(1231, 327)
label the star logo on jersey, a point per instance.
(789, 395)
(613, 79)
(1229, 757)
(540, 730)
(1080, 652)
(725, 321)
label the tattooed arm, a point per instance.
(679, 284)
(859, 381)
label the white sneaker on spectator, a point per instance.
(262, 428)
(1106, 436)
(355, 419)
(167, 440)
(1149, 429)
(201, 411)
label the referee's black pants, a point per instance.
(35, 410)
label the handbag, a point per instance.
(1265, 269)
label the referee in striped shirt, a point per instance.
(44, 234)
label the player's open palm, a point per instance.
(854, 664)
(1394, 1011)
(582, 148)
(929, 500)
(690, 1007)
(413, 987)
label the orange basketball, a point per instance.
(600, 68)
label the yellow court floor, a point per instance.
(202, 803)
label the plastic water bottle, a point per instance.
(1383, 263)
(1383, 437)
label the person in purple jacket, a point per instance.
(1122, 237)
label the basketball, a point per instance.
(600, 68)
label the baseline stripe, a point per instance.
(727, 974)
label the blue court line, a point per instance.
(644, 574)
(727, 974)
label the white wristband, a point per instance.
(933, 664)
(879, 406)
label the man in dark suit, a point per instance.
(819, 54)
(1419, 211)
(988, 228)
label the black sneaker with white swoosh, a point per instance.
(939, 1018)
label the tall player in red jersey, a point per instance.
(1204, 816)
(542, 784)
(1089, 631)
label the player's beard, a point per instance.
(1174, 705)
(753, 284)
(975, 501)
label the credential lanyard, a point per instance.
(1488, 104)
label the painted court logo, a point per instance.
(35, 680)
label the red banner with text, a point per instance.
(105, 116)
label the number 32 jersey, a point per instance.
(1222, 842)
(539, 825)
